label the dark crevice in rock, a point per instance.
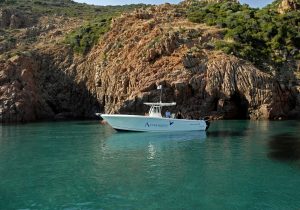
(237, 107)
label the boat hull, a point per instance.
(152, 124)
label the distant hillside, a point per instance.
(23, 21)
(62, 7)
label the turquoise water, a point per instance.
(85, 165)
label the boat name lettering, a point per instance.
(155, 125)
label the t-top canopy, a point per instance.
(161, 104)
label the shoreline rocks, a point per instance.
(141, 51)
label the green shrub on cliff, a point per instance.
(259, 35)
(83, 39)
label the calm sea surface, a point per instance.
(85, 165)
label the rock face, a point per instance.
(139, 54)
(42, 79)
(18, 93)
(288, 5)
(144, 49)
(43, 86)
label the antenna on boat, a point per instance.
(160, 88)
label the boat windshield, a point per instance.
(155, 111)
(155, 108)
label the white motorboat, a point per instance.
(154, 121)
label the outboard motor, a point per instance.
(207, 124)
(206, 119)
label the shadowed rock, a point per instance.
(40, 86)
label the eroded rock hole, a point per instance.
(236, 107)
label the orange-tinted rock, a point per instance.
(142, 50)
(202, 82)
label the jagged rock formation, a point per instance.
(142, 50)
(46, 85)
(165, 49)
(288, 5)
(47, 82)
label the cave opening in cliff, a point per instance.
(237, 107)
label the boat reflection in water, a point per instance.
(138, 140)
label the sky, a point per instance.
(252, 3)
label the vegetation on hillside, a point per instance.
(84, 38)
(262, 36)
(67, 8)
(97, 18)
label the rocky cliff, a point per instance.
(158, 46)
(41, 78)
(142, 50)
